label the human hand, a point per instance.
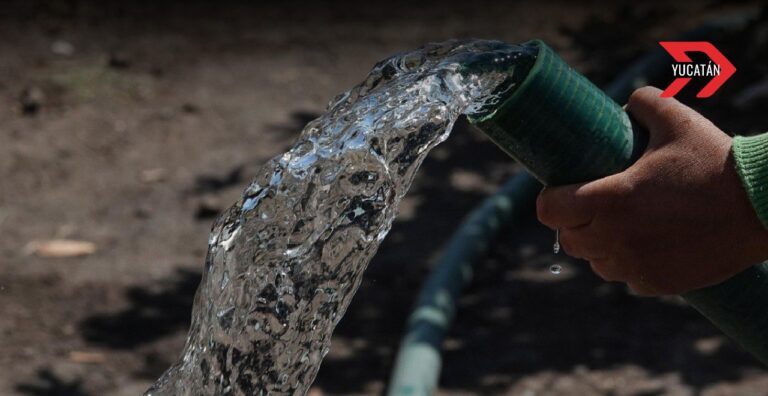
(677, 220)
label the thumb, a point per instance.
(665, 119)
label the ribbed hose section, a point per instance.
(560, 126)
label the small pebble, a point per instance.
(31, 100)
(62, 48)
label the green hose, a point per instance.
(417, 366)
(565, 130)
(560, 126)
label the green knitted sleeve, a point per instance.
(751, 155)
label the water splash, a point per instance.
(284, 261)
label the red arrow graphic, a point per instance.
(679, 49)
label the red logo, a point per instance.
(719, 68)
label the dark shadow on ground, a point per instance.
(49, 384)
(296, 123)
(155, 311)
(164, 308)
(214, 183)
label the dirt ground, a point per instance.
(131, 125)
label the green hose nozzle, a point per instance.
(560, 126)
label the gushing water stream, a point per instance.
(285, 260)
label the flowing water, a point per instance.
(285, 260)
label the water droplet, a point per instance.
(282, 379)
(249, 204)
(229, 243)
(556, 246)
(555, 268)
